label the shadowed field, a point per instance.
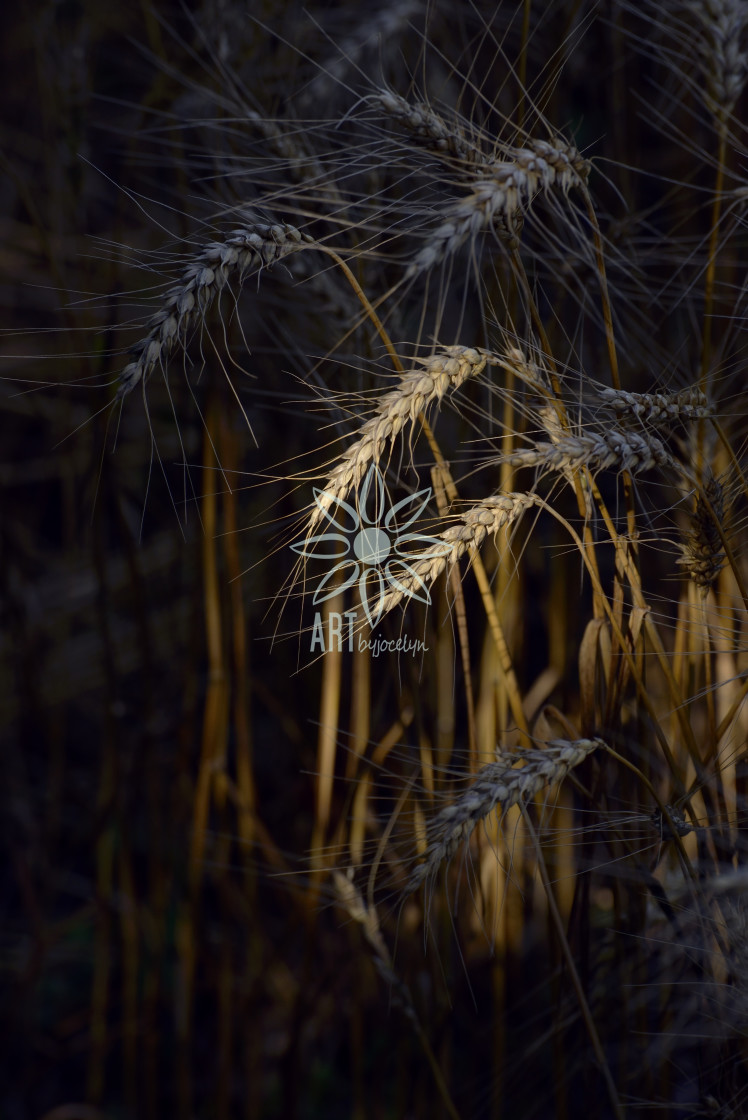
(373, 561)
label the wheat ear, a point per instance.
(415, 392)
(254, 246)
(625, 450)
(657, 408)
(428, 127)
(512, 779)
(720, 48)
(499, 193)
(483, 520)
(703, 554)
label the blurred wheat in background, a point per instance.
(374, 561)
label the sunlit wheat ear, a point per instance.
(513, 778)
(487, 518)
(416, 391)
(657, 409)
(703, 554)
(426, 126)
(617, 448)
(498, 195)
(247, 249)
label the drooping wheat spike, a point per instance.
(659, 409)
(479, 522)
(365, 915)
(513, 778)
(625, 450)
(428, 127)
(254, 246)
(416, 391)
(498, 196)
(703, 554)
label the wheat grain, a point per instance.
(253, 246)
(501, 783)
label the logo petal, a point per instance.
(304, 548)
(335, 505)
(417, 589)
(416, 502)
(338, 587)
(374, 616)
(434, 547)
(372, 487)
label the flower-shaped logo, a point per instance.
(382, 549)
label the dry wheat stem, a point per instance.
(572, 967)
(512, 779)
(414, 393)
(254, 246)
(499, 194)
